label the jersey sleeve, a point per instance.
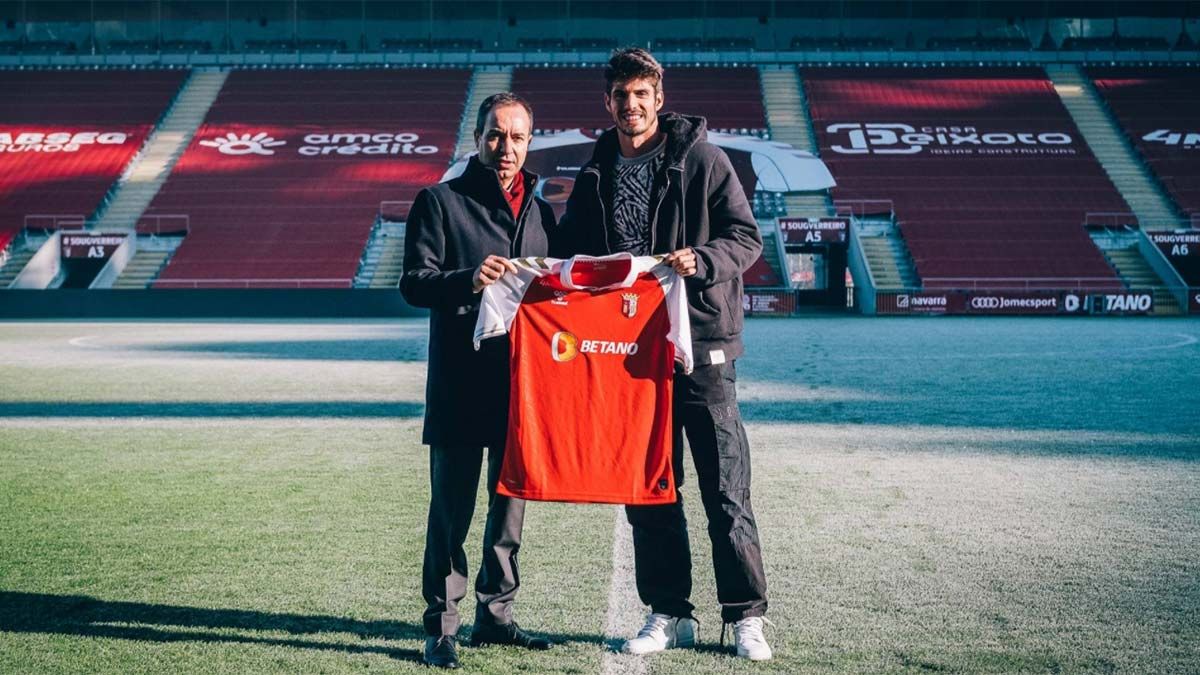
(680, 334)
(500, 301)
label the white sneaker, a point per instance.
(748, 635)
(662, 631)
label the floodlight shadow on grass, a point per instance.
(86, 616)
(214, 409)
(387, 350)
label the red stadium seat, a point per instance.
(300, 212)
(1149, 100)
(109, 112)
(977, 191)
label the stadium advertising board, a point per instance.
(18, 139)
(1122, 303)
(366, 142)
(90, 245)
(948, 302)
(988, 303)
(814, 230)
(1014, 303)
(950, 139)
(1177, 244)
(769, 303)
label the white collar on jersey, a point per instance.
(637, 266)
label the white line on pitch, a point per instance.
(624, 607)
(82, 341)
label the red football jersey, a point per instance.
(594, 343)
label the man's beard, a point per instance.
(634, 131)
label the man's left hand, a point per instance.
(683, 261)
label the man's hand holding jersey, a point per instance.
(683, 261)
(490, 270)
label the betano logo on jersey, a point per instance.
(316, 145)
(37, 141)
(565, 346)
(903, 139)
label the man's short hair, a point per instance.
(632, 63)
(499, 101)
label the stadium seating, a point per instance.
(569, 98)
(1148, 100)
(1003, 210)
(841, 43)
(1115, 43)
(300, 213)
(93, 107)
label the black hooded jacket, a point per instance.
(696, 202)
(452, 227)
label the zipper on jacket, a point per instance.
(603, 213)
(661, 197)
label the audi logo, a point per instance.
(985, 303)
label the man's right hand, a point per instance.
(490, 270)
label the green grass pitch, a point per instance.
(957, 495)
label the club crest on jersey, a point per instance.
(629, 304)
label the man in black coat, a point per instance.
(654, 185)
(459, 237)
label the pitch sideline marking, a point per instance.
(83, 341)
(624, 606)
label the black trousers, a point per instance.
(454, 482)
(705, 408)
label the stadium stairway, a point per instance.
(141, 181)
(1139, 276)
(143, 268)
(891, 266)
(384, 257)
(1103, 135)
(773, 252)
(788, 121)
(484, 83)
(18, 256)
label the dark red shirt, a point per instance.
(515, 195)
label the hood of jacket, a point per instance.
(682, 133)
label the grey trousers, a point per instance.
(454, 482)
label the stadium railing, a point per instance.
(254, 283)
(154, 224)
(1015, 284)
(47, 221)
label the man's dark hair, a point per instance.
(499, 101)
(632, 63)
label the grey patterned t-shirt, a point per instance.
(633, 179)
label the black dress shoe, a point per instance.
(440, 652)
(505, 634)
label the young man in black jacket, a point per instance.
(459, 237)
(654, 185)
